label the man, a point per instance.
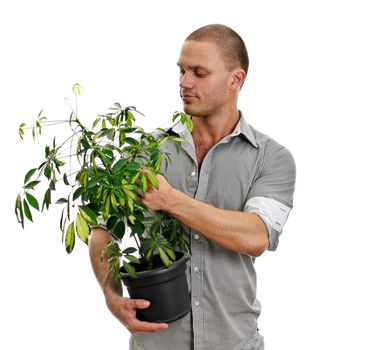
(231, 187)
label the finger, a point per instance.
(147, 327)
(141, 303)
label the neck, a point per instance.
(212, 129)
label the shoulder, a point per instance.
(272, 151)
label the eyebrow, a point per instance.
(197, 66)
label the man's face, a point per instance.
(204, 80)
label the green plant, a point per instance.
(102, 168)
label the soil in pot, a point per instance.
(165, 288)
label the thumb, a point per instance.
(141, 304)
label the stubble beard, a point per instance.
(198, 111)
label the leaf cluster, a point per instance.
(103, 169)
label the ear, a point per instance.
(238, 78)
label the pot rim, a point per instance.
(157, 271)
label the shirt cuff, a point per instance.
(273, 213)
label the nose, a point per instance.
(185, 81)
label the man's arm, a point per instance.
(124, 309)
(239, 231)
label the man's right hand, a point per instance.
(124, 309)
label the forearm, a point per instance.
(124, 309)
(98, 241)
(238, 231)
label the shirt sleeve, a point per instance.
(274, 215)
(271, 194)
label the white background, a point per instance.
(305, 88)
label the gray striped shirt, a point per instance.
(245, 171)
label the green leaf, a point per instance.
(149, 254)
(133, 259)
(130, 204)
(164, 258)
(82, 228)
(111, 222)
(77, 193)
(47, 171)
(31, 185)
(29, 175)
(52, 185)
(76, 89)
(62, 223)
(129, 269)
(27, 211)
(88, 214)
(171, 254)
(93, 182)
(133, 166)
(19, 210)
(131, 141)
(39, 114)
(131, 195)
(175, 116)
(66, 182)
(114, 201)
(21, 130)
(119, 165)
(129, 250)
(138, 228)
(70, 238)
(177, 139)
(143, 183)
(59, 163)
(118, 230)
(32, 201)
(46, 199)
(95, 123)
(164, 140)
(158, 163)
(62, 201)
(152, 178)
(107, 205)
(42, 165)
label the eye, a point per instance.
(200, 73)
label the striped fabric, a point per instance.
(246, 170)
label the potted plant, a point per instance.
(98, 172)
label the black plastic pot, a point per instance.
(165, 288)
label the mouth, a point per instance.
(188, 98)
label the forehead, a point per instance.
(199, 54)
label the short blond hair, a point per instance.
(229, 42)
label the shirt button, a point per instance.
(197, 303)
(193, 173)
(196, 236)
(196, 269)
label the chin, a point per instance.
(188, 110)
(196, 111)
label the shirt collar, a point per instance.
(242, 127)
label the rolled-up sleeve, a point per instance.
(271, 194)
(273, 213)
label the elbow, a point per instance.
(98, 239)
(257, 245)
(258, 250)
(257, 237)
